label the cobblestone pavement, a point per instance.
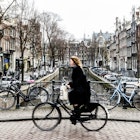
(124, 124)
(25, 130)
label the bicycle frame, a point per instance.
(17, 90)
(62, 104)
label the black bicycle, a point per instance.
(46, 116)
(35, 94)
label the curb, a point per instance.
(67, 118)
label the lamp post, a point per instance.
(1, 36)
(1, 60)
(1, 33)
(138, 50)
(44, 51)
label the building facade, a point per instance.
(11, 52)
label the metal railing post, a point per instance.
(17, 105)
(124, 90)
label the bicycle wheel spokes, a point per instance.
(110, 101)
(46, 116)
(38, 95)
(136, 101)
(7, 99)
(94, 120)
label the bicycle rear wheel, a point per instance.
(136, 101)
(7, 99)
(95, 119)
(46, 116)
(38, 95)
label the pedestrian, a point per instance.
(79, 93)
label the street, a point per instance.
(16, 124)
(25, 130)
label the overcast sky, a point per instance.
(85, 16)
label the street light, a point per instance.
(44, 51)
(1, 35)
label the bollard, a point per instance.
(17, 105)
(124, 90)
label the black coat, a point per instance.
(78, 95)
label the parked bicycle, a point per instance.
(132, 97)
(46, 116)
(35, 95)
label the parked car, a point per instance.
(28, 79)
(110, 77)
(35, 75)
(50, 70)
(5, 81)
(103, 73)
(97, 71)
(42, 73)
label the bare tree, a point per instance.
(52, 29)
(35, 39)
(26, 27)
(61, 42)
(3, 14)
(3, 11)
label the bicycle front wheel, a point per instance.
(7, 99)
(38, 95)
(136, 101)
(110, 101)
(94, 120)
(46, 116)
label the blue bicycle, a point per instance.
(130, 96)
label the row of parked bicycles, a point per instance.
(48, 104)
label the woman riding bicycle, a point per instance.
(79, 94)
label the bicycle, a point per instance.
(46, 116)
(132, 98)
(35, 94)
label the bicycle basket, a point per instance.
(63, 92)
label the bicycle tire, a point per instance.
(46, 116)
(136, 101)
(95, 119)
(110, 101)
(38, 95)
(7, 99)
